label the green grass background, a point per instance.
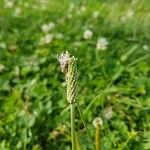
(33, 107)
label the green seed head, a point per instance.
(71, 80)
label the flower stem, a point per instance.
(72, 109)
(69, 68)
(97, 138)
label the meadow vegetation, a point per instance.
(111, 41)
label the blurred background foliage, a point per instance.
(111, 40)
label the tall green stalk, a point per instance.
(72, 108)
(69, 68)
(97, 138)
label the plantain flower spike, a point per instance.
(63, 59)
(68, 66)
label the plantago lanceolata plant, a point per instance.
(69, 68)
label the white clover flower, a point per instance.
(95, 14)
(9, 3)
(48, 27)
(51, 25)
(145, 47)
(2, 68)
(87, 34)
(46, 39)
(45, 28)
(102, 43)
(97, 122)
(108, 113)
